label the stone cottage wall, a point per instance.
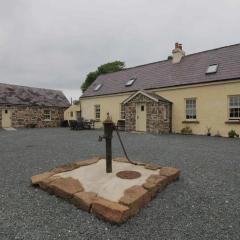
(130, 116)
(155, 115)
(22, 116)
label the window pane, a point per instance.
(234, 106)
(122, 111)
(47, 114)
(97, 111)
(212, 68)
(98, 87)
(191, 108)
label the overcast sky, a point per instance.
(55, 43)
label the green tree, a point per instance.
(103, 69)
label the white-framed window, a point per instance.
(97, 112)
(71, 114)
(234, 107)
(47, 115)
(122, 111)
(191, 112)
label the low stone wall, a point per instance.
(22, 116)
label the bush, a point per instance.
(232, 134)
(186, 130)
(209, 131)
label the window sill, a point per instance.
(191, 121)
(47, 120)
(97, 120)
(233, 122)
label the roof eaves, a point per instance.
(170, 86)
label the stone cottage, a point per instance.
(147, 111)
(22, 106)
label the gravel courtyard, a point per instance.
(203, 204)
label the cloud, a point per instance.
(55, 43)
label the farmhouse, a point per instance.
(31, 107)
(200, 91)
(73, 112)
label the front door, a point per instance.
(141, 117)
(6, 118)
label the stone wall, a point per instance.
(130, 116)
(22, 116)
(155, 115)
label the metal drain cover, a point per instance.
(128, 174)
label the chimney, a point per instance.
(177, 53)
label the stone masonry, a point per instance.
(130, 202)
(24, 116)
(155, 115)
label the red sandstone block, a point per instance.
(152, 166)
(65, 167)
(44, 184)
(38, 178)
(65, 187)
(84, 200)
(81, 163)
(172, 174)
(110, 211)
(155, 183)
(135, 197)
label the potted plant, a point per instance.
(232, 134)
(186, 130)
(208, 131)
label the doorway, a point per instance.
(141, 117)
(6, 118)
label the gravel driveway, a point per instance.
(203, 204)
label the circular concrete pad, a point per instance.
(128, 174)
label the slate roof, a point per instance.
(154, 95)
(21, 95)
(191, 70)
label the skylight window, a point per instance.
(212, 68)
(98, 87)
(130, 82)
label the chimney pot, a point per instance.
(178, 53)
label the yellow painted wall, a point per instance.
(107, 104)
(74, 109)
(212, 106)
